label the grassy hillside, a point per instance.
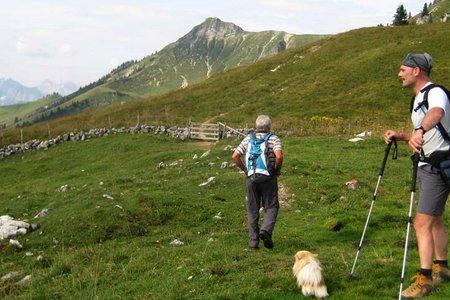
(95, 247)
(341, 84)
(10, 113)
(208, 49)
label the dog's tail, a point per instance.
(321, 290)
(312, 281)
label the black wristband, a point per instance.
(421, 128)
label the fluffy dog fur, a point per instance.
(308, 272)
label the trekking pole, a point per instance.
(408, 228)
(375, 194)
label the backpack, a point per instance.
(427, 89)
(441, 159)
(260, 159)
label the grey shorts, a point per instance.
(433, 192)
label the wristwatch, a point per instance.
(421, 128)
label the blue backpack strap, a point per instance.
(251, 163)
(267, 137)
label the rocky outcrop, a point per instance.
(9, 227)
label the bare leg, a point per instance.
(440, 239)
(423, 226)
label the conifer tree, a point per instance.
(425, 10)
(401, 16)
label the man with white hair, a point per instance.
(263, 160)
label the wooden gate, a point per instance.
(210, 131)
(204, 131)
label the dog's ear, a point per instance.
(300, 255)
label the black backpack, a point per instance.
(426, 90)
(441, 161)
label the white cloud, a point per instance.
(28, 46)
(65, 48)
(115, 62)
(288, 5)
(125, 11)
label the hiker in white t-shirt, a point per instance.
(429, 141)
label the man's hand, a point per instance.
(416, 141)
(389, 135)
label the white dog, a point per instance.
(307, 270)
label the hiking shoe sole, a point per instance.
(265, 237)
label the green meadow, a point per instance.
(111, 234)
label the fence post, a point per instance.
(49, 135)
(189, 128)
(224, 133)
(167, 115)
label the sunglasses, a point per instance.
(411, 56)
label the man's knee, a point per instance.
(423, 223)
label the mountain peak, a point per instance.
(62, 87)
(215, 28)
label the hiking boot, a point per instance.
(422, 286)
(440, 274)
(266, 238)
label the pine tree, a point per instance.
(425, 10)
(401, 16)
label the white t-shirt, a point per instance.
(433, 139)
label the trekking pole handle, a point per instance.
(394, 155)
(386, 154)
(416, 158)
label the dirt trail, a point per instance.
(284, 196)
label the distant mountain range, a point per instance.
(209, 48)
(13, 92)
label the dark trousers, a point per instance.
(259, 195)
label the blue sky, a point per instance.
(81, 40)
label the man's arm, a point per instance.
(431, 119)
(278, 161)
(400, 136)
(236, 157)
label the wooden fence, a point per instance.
(209, 131)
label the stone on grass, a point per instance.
(176, 242)
(15, 244)
(208, 182)
(42, 213)
(12, 228)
